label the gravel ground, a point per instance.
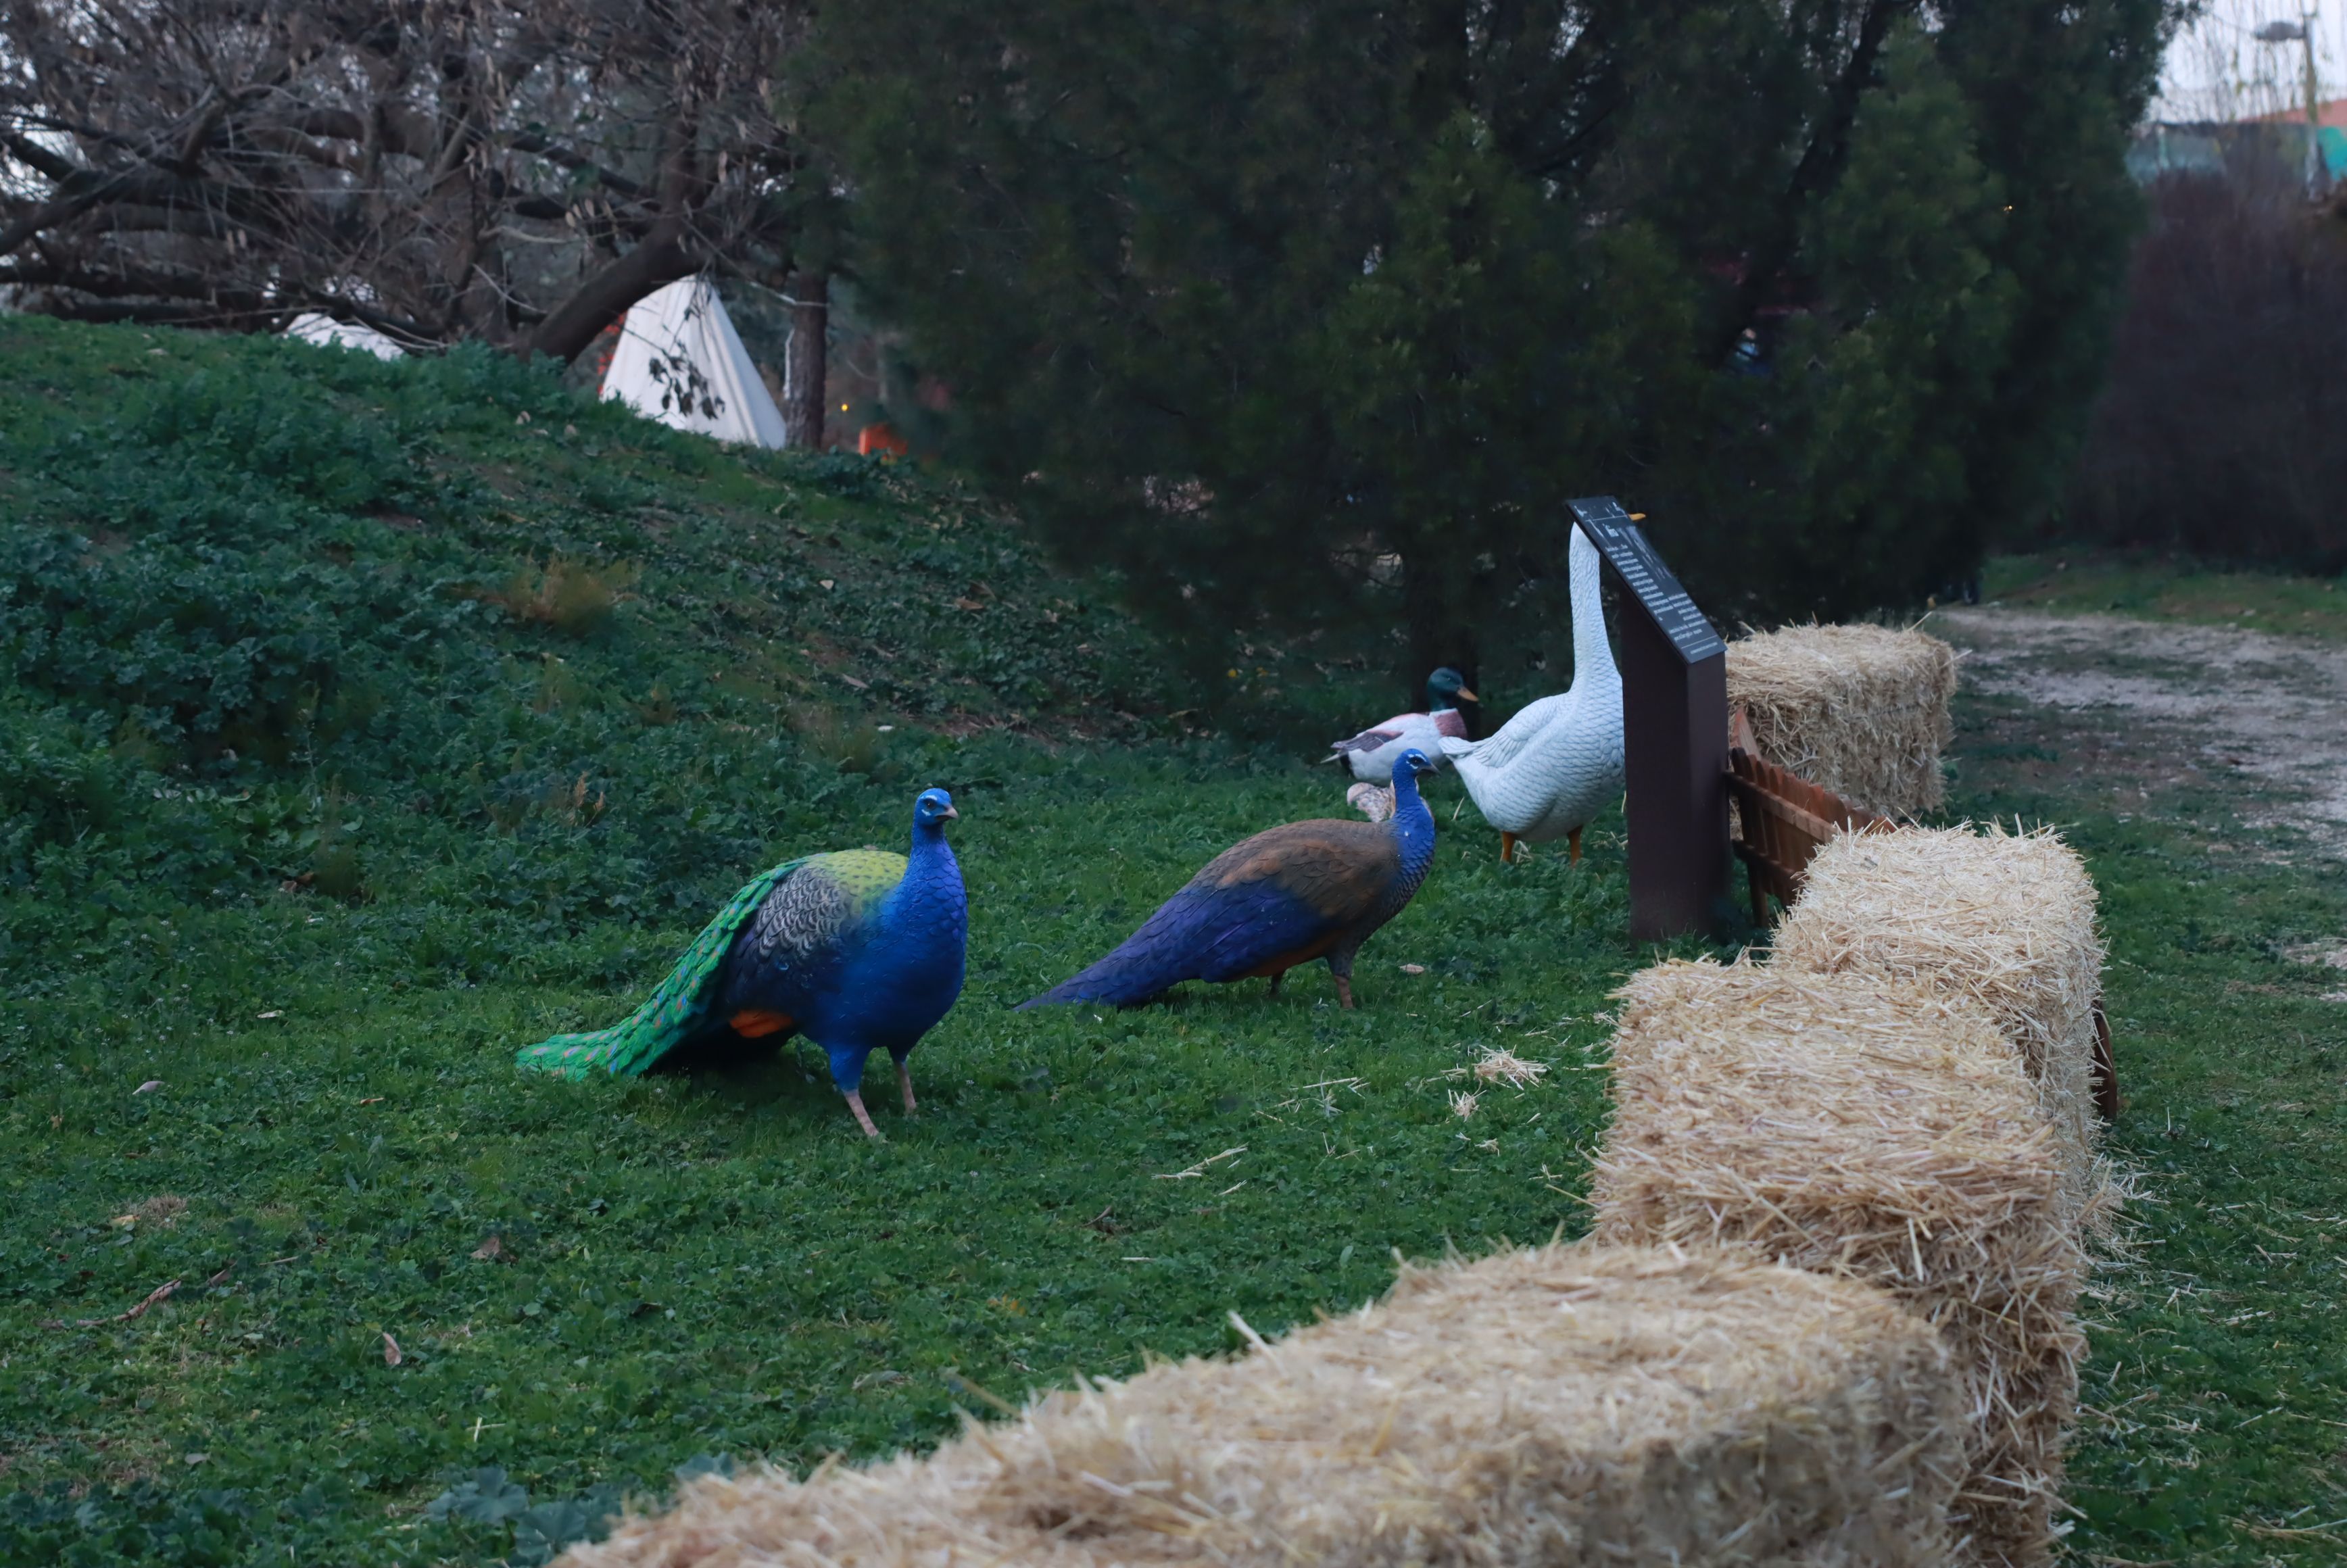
(2161, 700)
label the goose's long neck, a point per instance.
(1593, 656)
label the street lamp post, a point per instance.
(2301, 33)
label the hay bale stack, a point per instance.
(1555, 1405)
(903, 1512)
(1560, 1405)
(1878, 1131)
(2006, 918)
(1861, 710)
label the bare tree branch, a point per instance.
(472, 168)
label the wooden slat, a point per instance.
(1783, 820)
(1807, 823)
(2106, 1072)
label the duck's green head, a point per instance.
(1444, 688)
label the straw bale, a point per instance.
(1556, 1406)
(2006, 918)
(1880, 1130)
(1861, 710)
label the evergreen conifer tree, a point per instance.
(1300, 312)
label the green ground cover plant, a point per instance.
(323, 790)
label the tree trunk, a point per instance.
(605, 297)
(661, 256)
(804, 362)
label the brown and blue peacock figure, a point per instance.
(859, 950)
(1287, 896)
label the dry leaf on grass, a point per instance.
(160, 1294)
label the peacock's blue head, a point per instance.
(1417, 763)
(933, 808)
(1444, 688)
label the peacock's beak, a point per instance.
(1468, 695)
(949, 812)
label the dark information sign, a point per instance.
(1624, 545)
(1674, 734)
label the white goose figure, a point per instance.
(1558, 763)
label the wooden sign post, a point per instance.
(1674, 731)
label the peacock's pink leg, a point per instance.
(905, 1087)
(863, 1117)
(1344, 992)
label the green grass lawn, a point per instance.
(322, 787)
(364, 723)
(722, 1264)
(2216, 1422)
(2166, 588)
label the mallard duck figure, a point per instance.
(1371, 754)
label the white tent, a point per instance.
(680, 360)
(312, 326)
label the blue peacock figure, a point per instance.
(859, 950)
(1287, 896)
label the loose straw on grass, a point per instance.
(2005, 919)
(1877, 1131)
(1861, 710)
(1556, 1406)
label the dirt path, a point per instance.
(2151, 702)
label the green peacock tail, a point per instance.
(673, 1011)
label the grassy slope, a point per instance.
(718, 1264)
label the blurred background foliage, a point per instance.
(1310, 316)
